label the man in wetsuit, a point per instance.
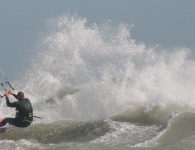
(24, 114)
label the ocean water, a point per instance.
(97, 88)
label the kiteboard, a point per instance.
(4, 128)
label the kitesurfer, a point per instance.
(24, 110)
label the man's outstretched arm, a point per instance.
(15, 96)
(9, 104)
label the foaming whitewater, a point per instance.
(109, 71)
(97, 78)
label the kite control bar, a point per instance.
(4, 89)
(7, 82)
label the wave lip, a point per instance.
(137, 128)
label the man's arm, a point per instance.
(15, 96)
(9, 104)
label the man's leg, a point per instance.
(2, 123)
(14, 121)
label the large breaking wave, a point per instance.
(105, 72)
(95, 84)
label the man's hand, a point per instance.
(6, 95)
(11, 93)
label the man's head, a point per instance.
(20, 95)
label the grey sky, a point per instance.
(168, 23)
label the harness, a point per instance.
(29, 118)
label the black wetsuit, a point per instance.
(24, 115)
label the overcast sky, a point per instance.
(168, 23)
